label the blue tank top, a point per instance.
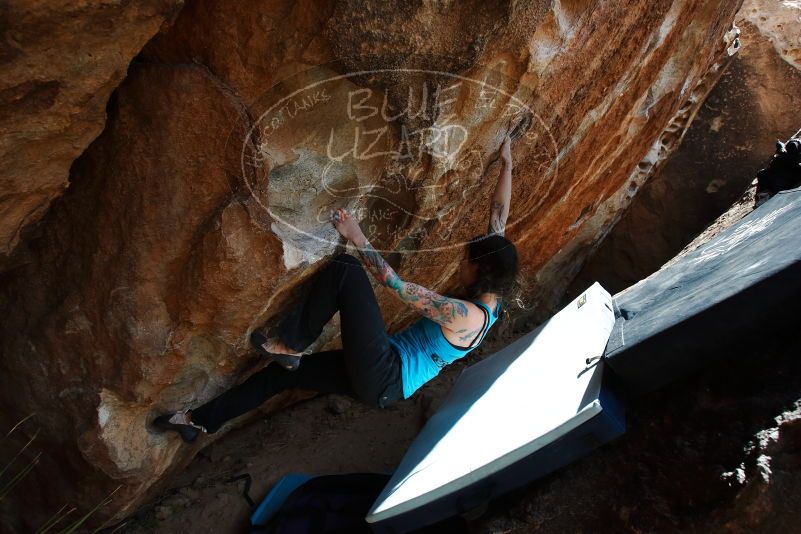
(424, 350)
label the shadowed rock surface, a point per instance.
(718, 453)
(734, 135)
(59, 62)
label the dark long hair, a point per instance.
(496, 258)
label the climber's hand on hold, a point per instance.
(347, 226)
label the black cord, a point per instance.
(246, 490)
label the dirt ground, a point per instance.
(329, 434)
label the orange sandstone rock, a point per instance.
(200, 210)
(59, 62)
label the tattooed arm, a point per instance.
(450, 313)
(499, 209)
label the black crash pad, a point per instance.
(740, 287)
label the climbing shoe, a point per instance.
(287, 361)
(181, 423)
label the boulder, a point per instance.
(202, 208)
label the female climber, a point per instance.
(372, 366)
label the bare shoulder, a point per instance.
(474, 318)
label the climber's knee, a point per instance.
(347, 259)
(345, 264)
(345, 271)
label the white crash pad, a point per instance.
(503, 410)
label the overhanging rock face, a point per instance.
(180, 231)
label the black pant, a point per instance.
(367, 367)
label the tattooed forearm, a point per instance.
(378, 266)
(434, 306)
